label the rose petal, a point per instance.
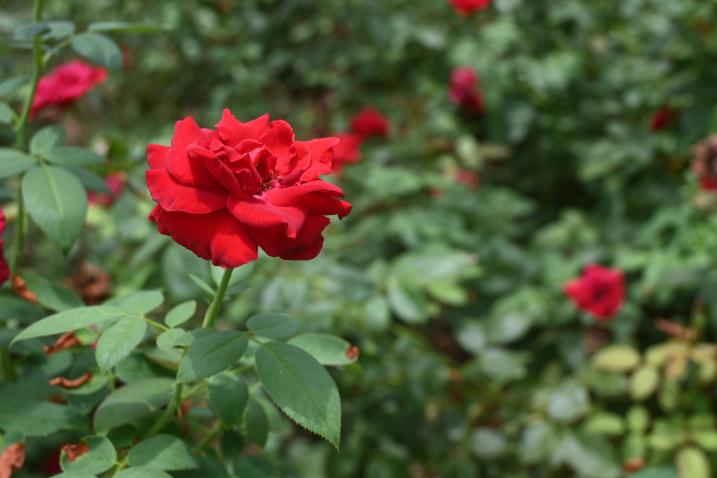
(157, 155)
(320, 153)
(175, 197)
(231, 130)
(186, 132)
(279, 139)
(305, 246)
(255, 212)
(216, 236)
(188, 166)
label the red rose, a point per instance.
(222, 193)
(369, 122)
(466, 7)
(347, 151)
(66, 84)
(466, 178)
(4, 269)
(464, 90)
(115, 182)
(662, 118)
(599, 291)
(705, 163)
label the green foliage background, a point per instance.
(473, 362)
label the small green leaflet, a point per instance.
(13, 162)
(119, 340)
(100, 457)
(301, 388)
(68, 320)
(98, 49)
(211, 354)
(180, 314)
(273, 326)
(162, 452)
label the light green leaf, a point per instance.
(132, 402)
(37, 418)
(273, 326)
(14, 162)
(644, 382)
(616, 358)
(46, 139)
(11, 85)
(118, 341)
(6, 113)
(98, 49)
(139, 303)
(170, 339)
(73, 156)
(100, 457)
(228, 397)
(301, 388)
(327, 349)
(162, 452)
(180, 313)
(56, 201)
(142, 472)
(72, 319)
(127, 27)
(692, 463)
(211, 354)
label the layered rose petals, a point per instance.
(223, 193)
(464, 91)
(600, 291)
(66, 84)
(369, 122)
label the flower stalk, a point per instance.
(210, 317)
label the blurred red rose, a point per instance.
(464, 90)
(369, 122)
(222, 193)
(705, 163)
(66, 84)
(662, 118)
(347, 151)
(115, 182)
(4, 269)
(466, 7)
(467, 178)
(599, 291)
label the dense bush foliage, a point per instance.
(566, 141)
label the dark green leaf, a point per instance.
(228, 396)
(301, 388)
(98, 49)
(256, 424)
(57, 202)
(51, 295)
(162, 452)
(139, 303)
(142, 472)
(211, 354)
(37, 418)
(11, 85)
(6, 113)
(273, 326)
(100, 457)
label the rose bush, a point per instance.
(437, 306)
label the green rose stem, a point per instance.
(8, 373)
(22, 133)
(210, 317)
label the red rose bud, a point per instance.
(4, 268)
(705, 163)
(466, 7)
(347, 151)
(662, 118)
(11, 459)
(369, 122)
(66, 341)
(115, 182)
(66, 84)
(75, 450)
(599, 291)
(225, 192)
(352, 352)
(71, 383)
(464, 90)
